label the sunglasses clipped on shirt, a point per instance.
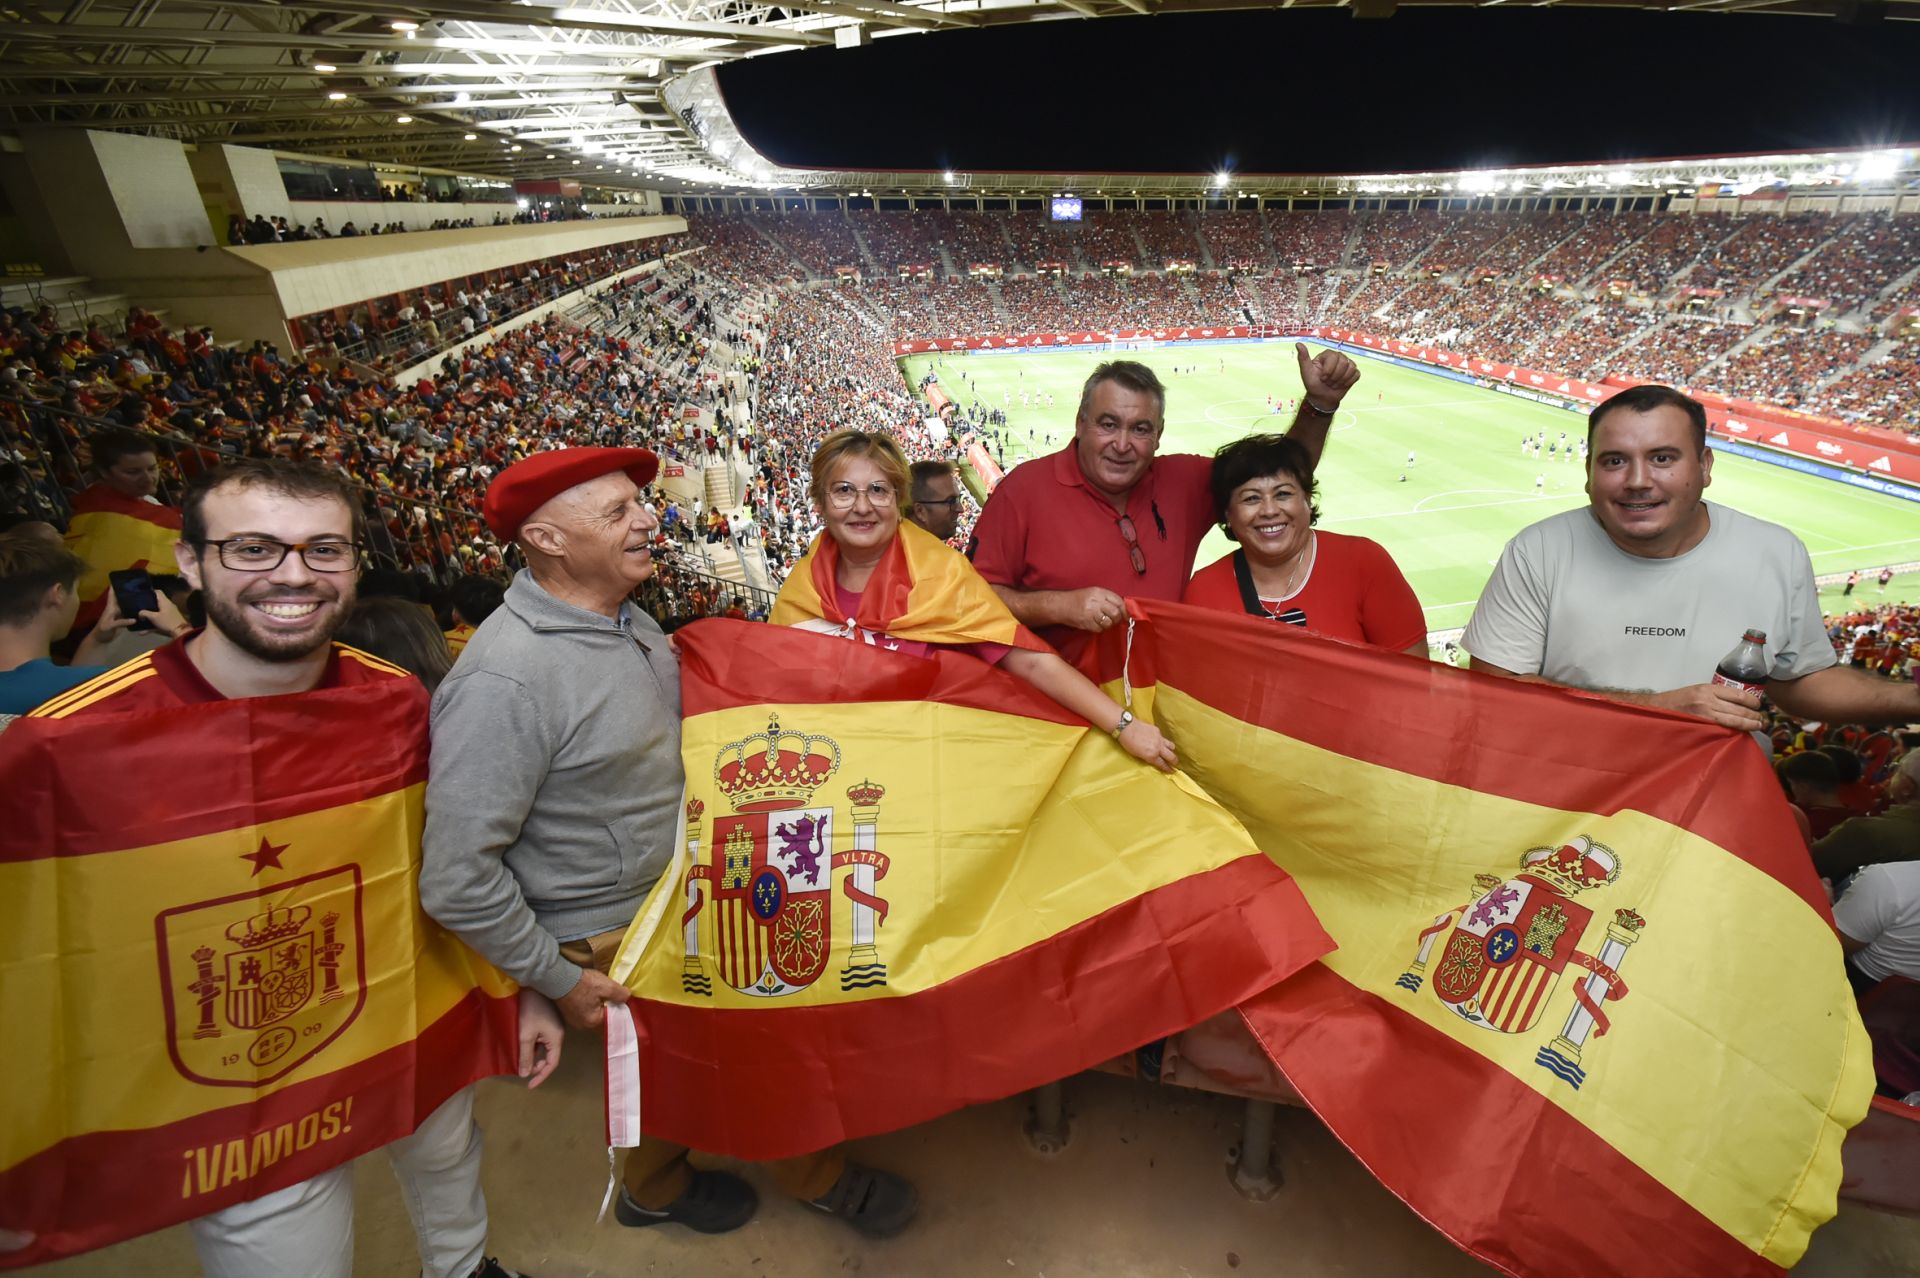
(1135, 554)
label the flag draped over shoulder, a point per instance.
(1587, 1013)
(922, 589)
(213, 963)
(910, 884)
(112, 531)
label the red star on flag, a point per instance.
(268, 854)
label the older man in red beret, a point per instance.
(554, 790)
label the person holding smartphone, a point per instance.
(39, 595)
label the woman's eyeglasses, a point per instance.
(843, 494)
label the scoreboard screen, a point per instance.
(1066, 208)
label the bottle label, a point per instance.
(1741, 684)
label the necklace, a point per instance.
(1302, 560)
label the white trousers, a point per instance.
(306, 1230)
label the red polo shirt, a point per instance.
(1046, 528)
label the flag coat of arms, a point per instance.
(1587, 1013)
(210, 932)
(910, 884)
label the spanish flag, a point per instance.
(923, 589)
(1587, 1014)
(213, 963)
(910, 884)
(112, 531)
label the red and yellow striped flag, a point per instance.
(1588, 1013)
(910, 884)
(211, 938)
(111, 532)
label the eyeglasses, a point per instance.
(937, 501)
(1137, 555)
(258, 554)
(843, 494)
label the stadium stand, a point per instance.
(1238, 241)
(656, 347)
(1169, 237)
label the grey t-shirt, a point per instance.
(1567, 604)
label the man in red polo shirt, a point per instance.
(1066, 537)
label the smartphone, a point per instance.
(133, 591)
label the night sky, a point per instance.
(1322, 92)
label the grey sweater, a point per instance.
(555, 781)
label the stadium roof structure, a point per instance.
(621, 93)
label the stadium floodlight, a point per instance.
(404, 24)
(336, 96)
(403, 119)
(1878, 167)
(324, 67)
(1222, 178)
(470, 137)
(949, 175)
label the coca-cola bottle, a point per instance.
(1746, 666)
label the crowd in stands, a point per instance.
(1881, 391)
(744, 248)
(972, 237)
(1759, 249)
(1032, 305)
(1515, 332)
(1865, 255)
(1582, 349)
(823, 242)
(820, 358)
(1168, 237)
(1314, 241)
(1106, 238)
(1531, 237)
(1785, 369)
(1664, 255)
(1238, 240)
(1395, 239)
(1591, 239)
(1036, 241)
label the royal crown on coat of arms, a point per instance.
(769, 871)
(775, 769)
(1499, 964)
(265, 929)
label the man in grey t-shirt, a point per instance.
(1640, 595)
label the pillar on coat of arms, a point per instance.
(864, 967)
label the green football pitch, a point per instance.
(1467, 489)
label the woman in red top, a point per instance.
(1287, 571)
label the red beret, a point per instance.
(525, 486)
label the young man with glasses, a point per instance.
(1066, 538)
(274, 548)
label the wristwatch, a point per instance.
(1126, 719)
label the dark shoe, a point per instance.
(491, 1268)
(879, 1204)
(715, 1203)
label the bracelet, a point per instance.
(1126, 721)
(1324, 412)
